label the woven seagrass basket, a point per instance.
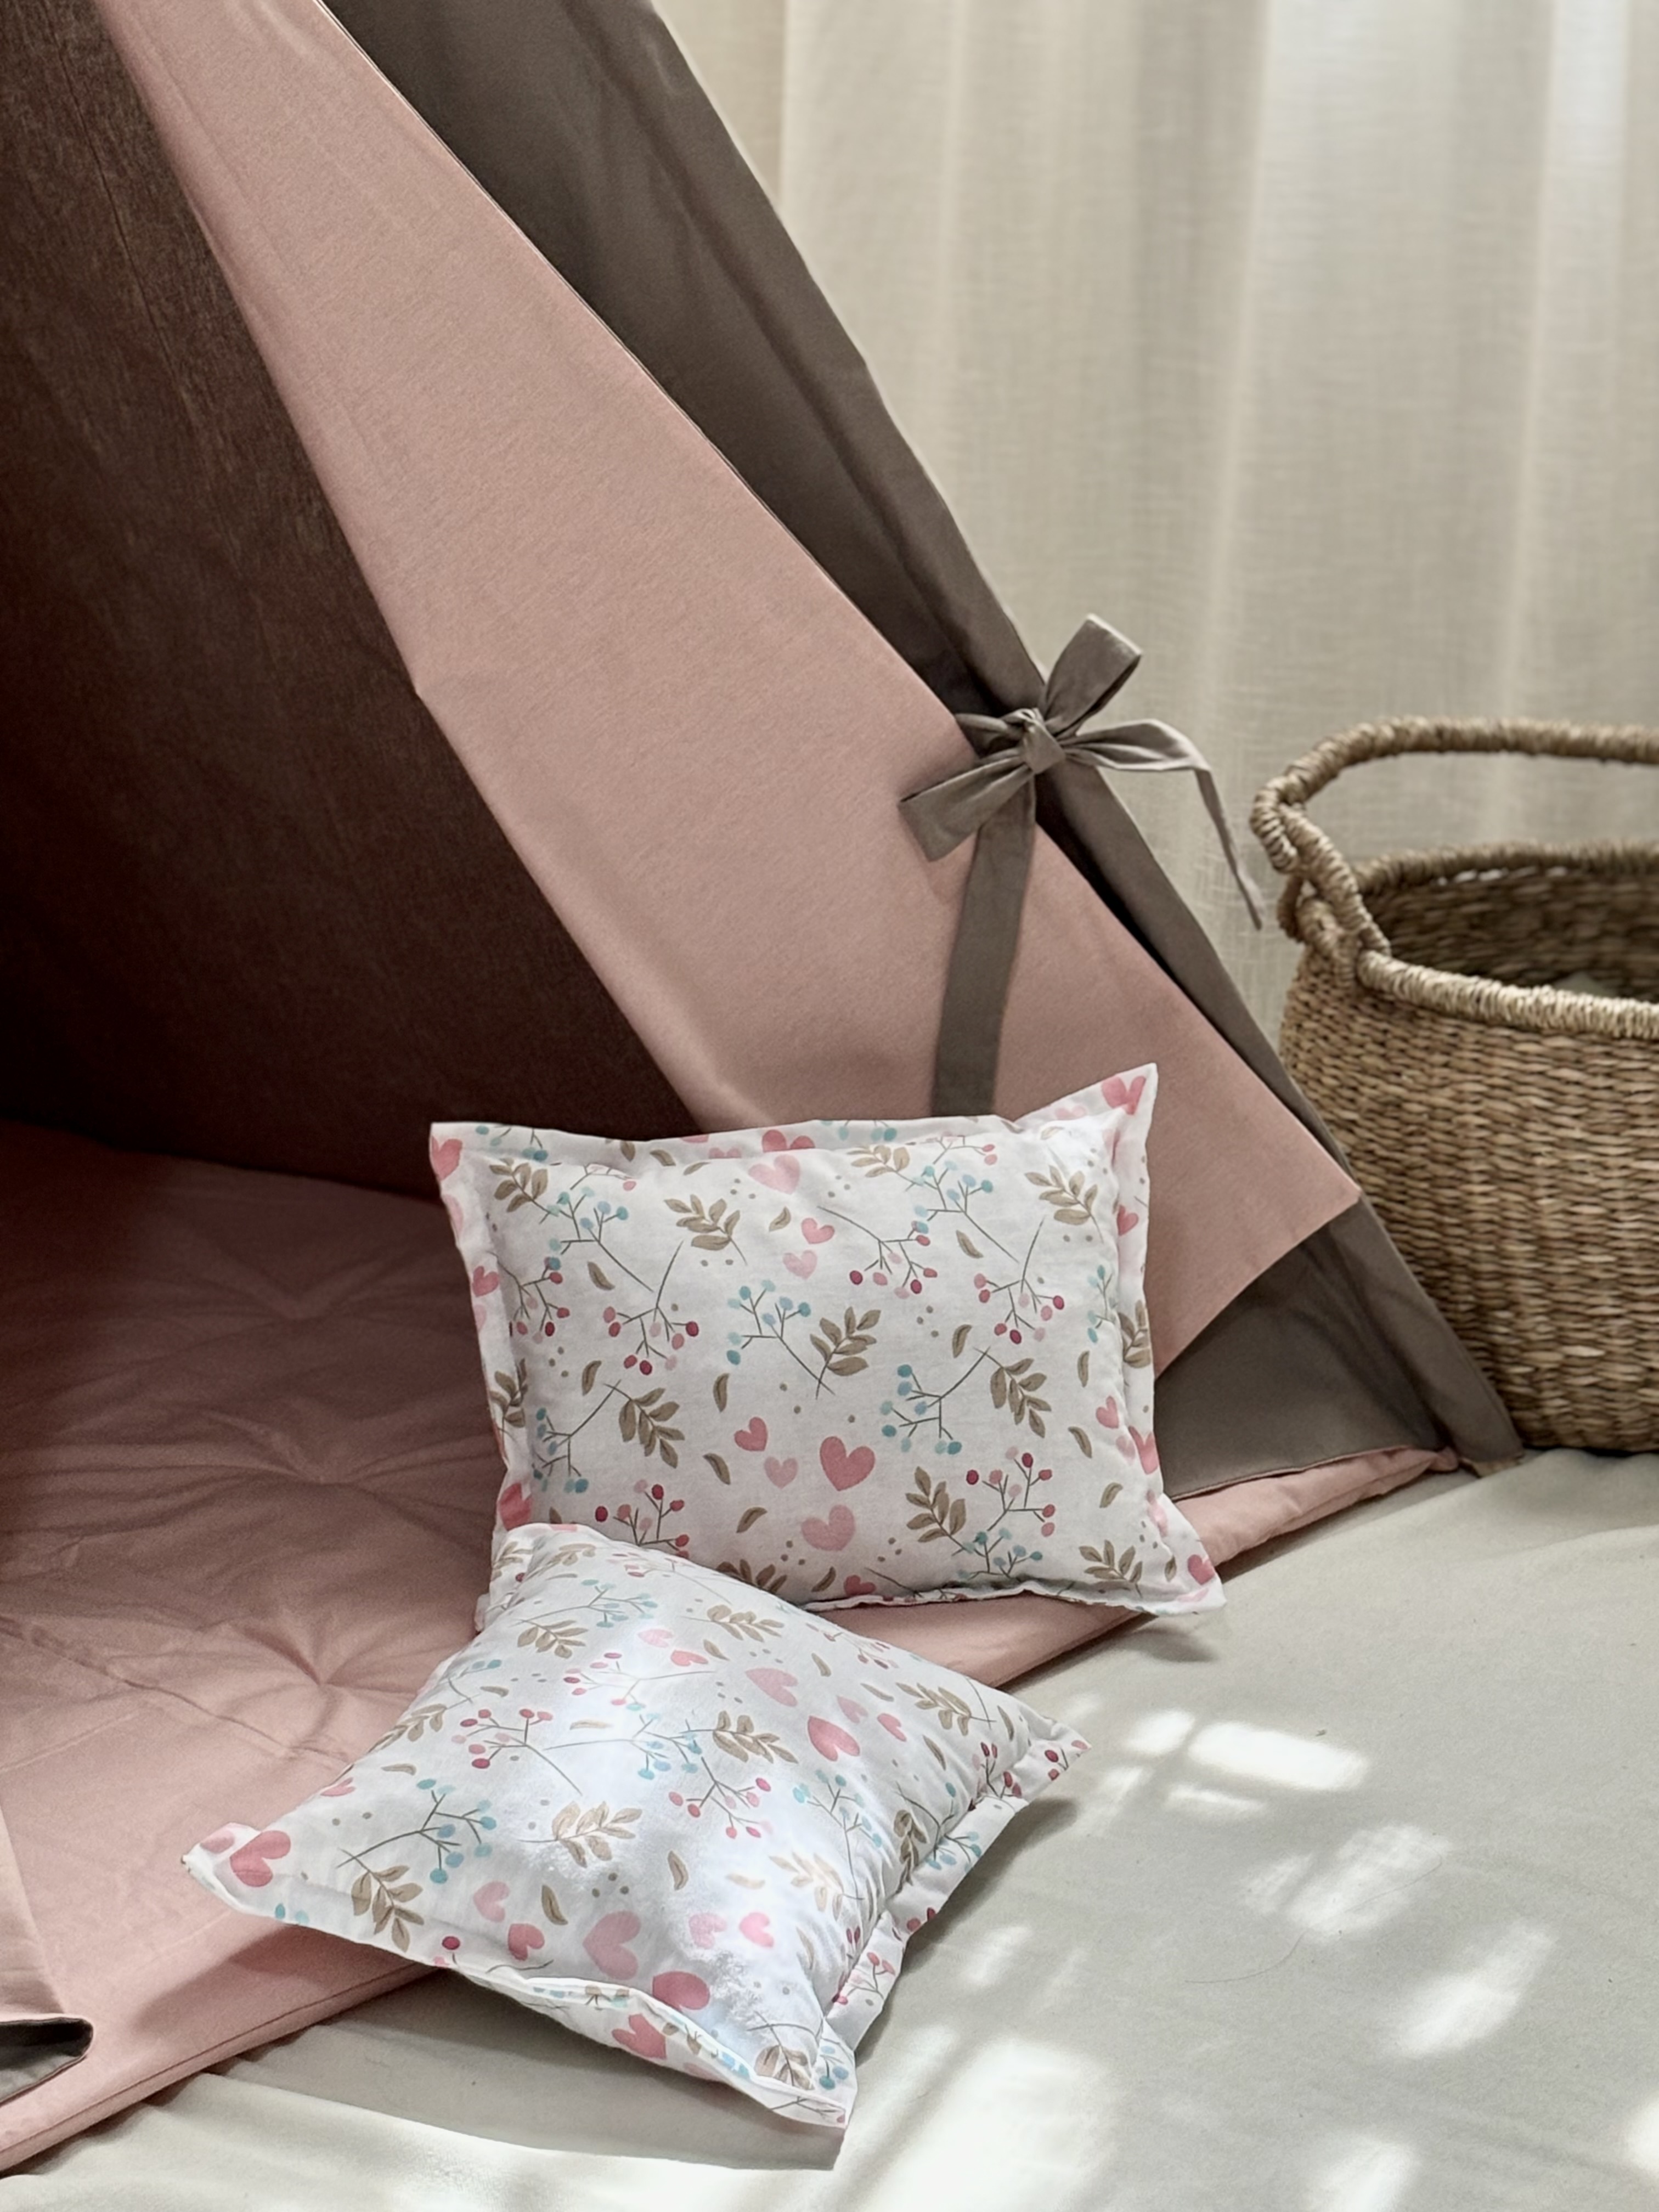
(1505, 1129)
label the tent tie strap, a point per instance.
(994, 802)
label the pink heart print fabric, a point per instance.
(680, 1817)
(848, 1363)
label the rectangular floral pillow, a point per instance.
(848, 1362)
(678, 1816)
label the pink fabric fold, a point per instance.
(38, 2038)
(696, 743)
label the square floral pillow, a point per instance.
(849, 1362)
(678, 1816)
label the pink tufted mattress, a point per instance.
(245, 1494)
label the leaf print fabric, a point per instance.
(679, 1817)
(845, 1363)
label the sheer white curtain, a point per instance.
(1314, 342)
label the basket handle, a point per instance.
(1305, 856)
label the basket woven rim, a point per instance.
(1613, 856)
(1324, 904)
(1540, 1008)
(1544, 1008)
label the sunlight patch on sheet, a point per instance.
(1364, 2175)
(1112, 1791)
(1212, 1804)
(1159, 1734)
(1260, 1754)
(1454, 2010)
(1267, 1889)
(1362, 1885)
(1368, 1883)
(994, 1957)
(1642, 2140)
(954, 2153)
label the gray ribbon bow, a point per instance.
(994, 802)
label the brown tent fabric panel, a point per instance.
(583, 121)
(254, 910)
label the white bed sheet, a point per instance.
(1353, 1908)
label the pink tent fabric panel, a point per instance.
(246, 1479)
(701, 770)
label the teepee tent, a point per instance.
(585, 126)
(471, 629)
